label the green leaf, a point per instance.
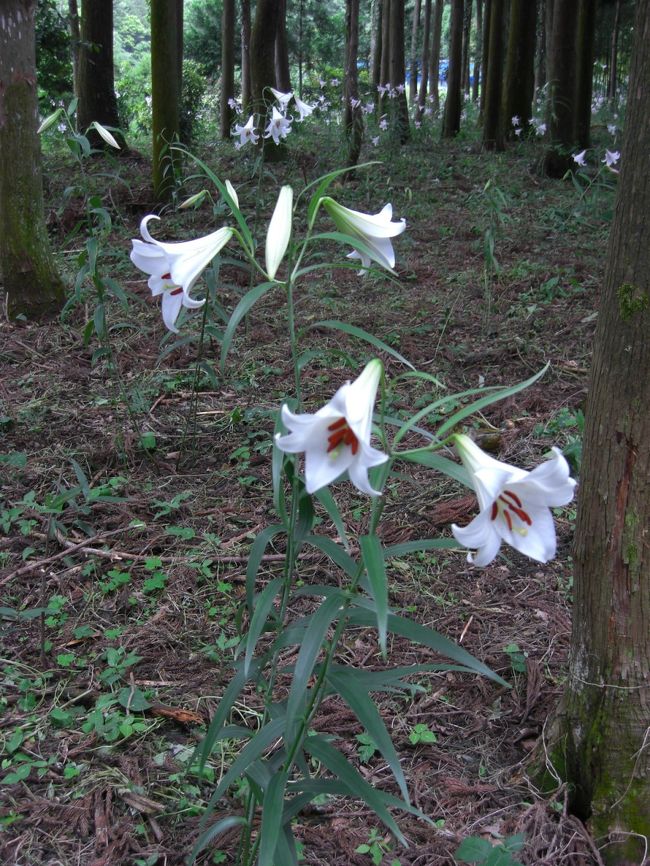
(479, 405)
(406, 547)
(329, 504)
(249, 299)
(310, 648)
(262, 539)
(354, 331)
(346, 685)
(261, 610)
(323, 184)
(15, 741)
(441, 464)
(318, 747)
(335, 552)
(271, 819)
(373, 559)
(216, 830)
(428, 637)
(204, 749)
(473, 849)
(134, 699)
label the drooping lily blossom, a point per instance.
(514, 504)
(611, 158)
(283, 98)
(278, 126)
(173, 268)
(579, 158)
(246, 133)
(173, 298)
(375, 230)
(336, 439)
(304, 110)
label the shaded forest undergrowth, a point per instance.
(128, 512)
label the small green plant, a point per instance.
(375, 847)
(475, 849)
(421, 733)
(517, 658)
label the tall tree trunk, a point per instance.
(179, 48)
(487, 17)
(165, 98)
(282, 74)
(33, 287)
(301, 15)
(353, 114)
(603, 722)
(584, 70)
(562, 105)
(451, 119)
(384, 66)
(263, 67)
(434, 64)
(426, 50)
(492, 129)
(548, 28)
(226, 113)
(519, 77)
(375, 44)
(246, 92)
(75, 40)
(478, 57)
(613, 54)
(467, 32)
(415, 27)
(397, 71)
(540, 52)
(97, 100)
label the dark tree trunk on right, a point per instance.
(451, 120)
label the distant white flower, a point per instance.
(383, 123)
(246, 133)
(383, 88)
(355, 103)
(278, 127)
(417, 124)
(336, 439)
(374, 230)
(611, 157)
(304, 110)
(541, 129)
(518, 131)
(368, 108)
(516, 120)
(232, 103)
(283, 98)
(375, 141)
(321, 82)
(400, 88)
(514, 504)
(579, 158)
(335, 82)
(612, 128)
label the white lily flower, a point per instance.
(515, 120)
(304, 110)
(283, 98)
(279, 126)
(279, 231)
(611, 157)
(375, 230)
(515, 504)
(540, 129)
(337, 438)
(612, 128)
(173, 298)
(579, 158)
(246, 133)
(175, 267)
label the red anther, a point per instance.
(176, 291)
(342, 434)
(338, 424)
(512, 496)
(495, 511)
(506, 514)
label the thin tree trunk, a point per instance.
(165, 98)
(75, 40)
(97, 100)
(375, 44)
(384, 66)
(519, 77)
(353, 113)
(585, 70)
(263, 40)
(434, 65)
(467, 31)
(613, 54)
(246, 93)
(33, 286)
(226, 112)
(478, 57)
(492, 129)
(301, 13)
(282, 74)
(415, 26)
(426, 50)
(540, 55)
(602, 747)
(451, 119)
(487, 15)
(548, 29)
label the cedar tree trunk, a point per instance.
(451, 119)
(226, 113)
(492, 128)
(165, 98)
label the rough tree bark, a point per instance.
(478, 56)
(519, 76)
(413, 62)
(353, 114)
(384, 64)
(375, 43)
(434, 63)
(487, 14)
(467, 32)
(282, 73)
(613, 54)
(165, 97)
(226, 113)
(584, 70)
(540, 52)
(562, 96)
(31, 282)
(604, 751)
(426, 50)
(451, 119)
(246, 93)
(400, 120)
(75, 39)
(492, 129)
(263, 67)
(96, 77)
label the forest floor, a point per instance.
(134, 536)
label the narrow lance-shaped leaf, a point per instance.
(373, 559)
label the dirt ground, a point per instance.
(139, 553)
